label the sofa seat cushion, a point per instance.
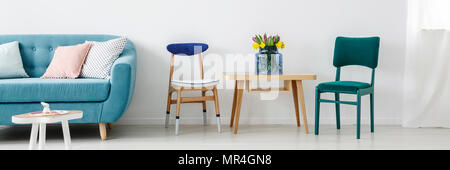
(24, 90)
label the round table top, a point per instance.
(53, 117)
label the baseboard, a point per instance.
(254, 121)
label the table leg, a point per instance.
(295, 96)
(302, 103)
(42, 130)
(238, 104)
(33, 136)
(66, 133)
(233, 110)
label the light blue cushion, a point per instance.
(11, 65)
(53, 90)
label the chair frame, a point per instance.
(359, 93)
(357, 103)
(180, 100)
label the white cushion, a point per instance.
(101, 57)
(195, 83)
(11, 65)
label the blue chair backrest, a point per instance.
(37, 50)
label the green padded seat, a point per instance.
(342, 86)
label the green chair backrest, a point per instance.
(361, 51)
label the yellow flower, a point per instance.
(279, 44)
(262, 45)
(282, 46)
(255, 46)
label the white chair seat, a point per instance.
(195, 83)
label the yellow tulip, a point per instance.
(282, 46)
(255, 46)
(279, 44)
(262, 45)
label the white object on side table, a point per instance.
(40, 120)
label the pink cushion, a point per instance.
(67, 61)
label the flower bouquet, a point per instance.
(268, 59)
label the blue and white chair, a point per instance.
(178, 86)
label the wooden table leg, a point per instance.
(302, 103)
(240, 88)
(233, 110)
(295, 96)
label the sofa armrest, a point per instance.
(123, 77)
(122, 67)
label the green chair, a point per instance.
(351, 51)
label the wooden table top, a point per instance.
(46, 118)
(33, 115)
(236, 76)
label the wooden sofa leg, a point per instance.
(102, 127)
(110, 126)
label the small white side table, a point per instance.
(40, 121)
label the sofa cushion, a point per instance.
(101, 57)
(53, 90)
(67, 61)
(11, 65)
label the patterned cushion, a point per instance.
(101, 58)
(195, 83)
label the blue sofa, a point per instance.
(103, 101)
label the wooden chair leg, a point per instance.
(205, 120)
(372, 125)
(216, 103)
(204, 102)
(102, 128)
(338, 111)
(177, 123)
(169, 98)
(317, 112)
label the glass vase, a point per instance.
(269, 61)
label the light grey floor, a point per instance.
(249, 137)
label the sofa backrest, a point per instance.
(37, 50)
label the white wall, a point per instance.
(308, 27)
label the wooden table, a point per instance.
(39, 122)
(292, 83)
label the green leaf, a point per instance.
(260, 39)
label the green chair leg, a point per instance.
(317, 112)
(372, 125)
(358, 116)
(338, 112)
